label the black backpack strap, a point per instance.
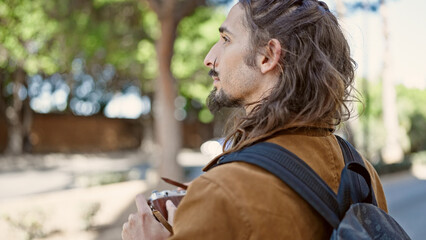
(294, 172)
(303, 180)
(350, 154)
(355, 184)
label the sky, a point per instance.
(407, 27)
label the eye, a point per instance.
(225, 39)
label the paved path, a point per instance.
(406, 197)
(406, 194)
(31, 174)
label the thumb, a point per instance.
(171, 209)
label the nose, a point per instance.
(211, 58)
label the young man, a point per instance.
(287, 63)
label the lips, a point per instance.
(216, 80)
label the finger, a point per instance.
(142, 205)
(171, 209)
(123, 234)
(124, 231)
(132, 218)
(125, 226)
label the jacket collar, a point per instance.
(295, 130)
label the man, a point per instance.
(288, 65)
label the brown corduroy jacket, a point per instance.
(242, 201)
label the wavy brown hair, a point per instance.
(317, 72)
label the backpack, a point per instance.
(352, 213)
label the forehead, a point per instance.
(234, 21)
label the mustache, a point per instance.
(213, 72)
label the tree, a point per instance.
(33, 40)
(167, 127)
(25, 32)
(101, 42)
(392, 151)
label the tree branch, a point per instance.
(178, 9)
(156, 6)
(187, 7)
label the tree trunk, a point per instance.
(3, 77)
(168, 129)
(27, 122)
(14, 117)
(392, 151)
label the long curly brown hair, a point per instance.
(317, 71)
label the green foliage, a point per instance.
(106, 32)
(205, 116)
(411, 100)
(45, 37)
(372, 100)
(25, 34)
(196, 35)
(411, 115)
(419, 157)
(146, 55)
(100, 3)
(149, 22)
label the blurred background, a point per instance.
(99, 98)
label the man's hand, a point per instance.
(143, 226)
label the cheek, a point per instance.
(233, 71)
(231, 67)
(233, 83)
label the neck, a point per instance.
(248, 107)
(263, 90)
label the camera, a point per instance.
(157, 200)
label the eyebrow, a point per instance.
(223, 29)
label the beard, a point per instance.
(218, 100)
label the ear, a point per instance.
(269, 60)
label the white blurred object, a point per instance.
(211, 148)
(129, 105)
(208, 151)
